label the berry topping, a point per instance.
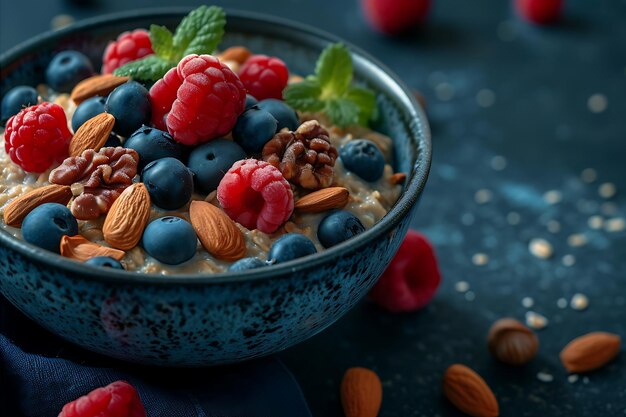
(250, 101)
(285, 115)
(395, 16)
(128, 47)
(411, 279)
(197, 101)
(66, 69)
(256, 195)
(539, 11)
(169, 182)
(170, 240)
(264, 76)
(253, 129)
(37, 137)
(338, 226)
(118, 399)
(291, 246)
(245, 264)
(105, 262)
(209, 162)
(46, 225)
(130, 105)
(86, 110)
(363, 157)
(152, 144)
(16, 99)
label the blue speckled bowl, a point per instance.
(191, 320)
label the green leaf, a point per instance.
(365, 100)
(150, 68)
(304, 96)
(162, 42)
(200, 31)
(342, 111)
(334, 70)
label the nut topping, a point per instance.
(18, 209)
(304, 157)
(219, 235)
(98, 85)
(127, 218)
(93, 134)
(322, 200)
(103, 175)
(81, 249)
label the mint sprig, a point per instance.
(330, 90)
(198, 33)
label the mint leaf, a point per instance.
(304, 96)
(162, 42)
(334, 70)
(149, 68)
(342, 111)
(365, 101)
(200, 31)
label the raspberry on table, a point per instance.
(118, 399)
(256, 195)
(539, 11)
(392, 17)
(264, 77)
(37, 137)
(411, 279)
(129, 46)
(197, 101)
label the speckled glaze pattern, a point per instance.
(224, 318)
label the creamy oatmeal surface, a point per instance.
(368, 201)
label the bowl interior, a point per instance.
(299, 46)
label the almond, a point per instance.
(511, 342)
(81, 249)
(469, 392)
(93, 134)
(219, 235)
(127, 217)
(361, 393)
(397, 178)
(238, 54)
(590, 351)
(18, 209)
(322, 200)
(98, 85)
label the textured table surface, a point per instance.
(529, 133)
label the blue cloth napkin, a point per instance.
(36, 385)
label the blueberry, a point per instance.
(66, 69)
(169, 182)
(209, 162)
(113, 141)
(152, 144)
(338, 226)
(86, 110)
(130, 105)
(250, 101)
(105, 262)
(291, 246)
(16, 99)
(170, 240)
(46, 225)
(285, 115)
(363, 157)
(254, 128)
(246, 263)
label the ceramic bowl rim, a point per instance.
(401, 208)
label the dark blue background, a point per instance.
(540, 123)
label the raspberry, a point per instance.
(395, 16)
(128, 47)
(37, 136)
(197, 101)
(411, 279)
(264, 77)
(539, 11)
(118, 399)
(256, 195)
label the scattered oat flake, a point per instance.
(561, 303)
(528, 302)
(545, 377)
(535, 320)
(483, 196)
(470, 296)
(513, 218)
(480, 259)
(568, 260)
(462, 286)
(577, 240)
(615, 225)
(597, 103)
(595, 222)
(498, 163)
(540, 248)
(552, 197)
(61, 20)
(589, 175)
(607, 190)
(572, 378)
(553, 226)
(579, 302)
